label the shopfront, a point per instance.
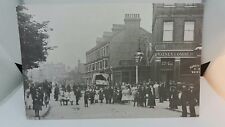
(178, 66)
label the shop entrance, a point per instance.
(166, 76)
(167, 69)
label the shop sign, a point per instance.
(175, 54)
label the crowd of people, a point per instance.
(37, 96)
(141, 95)
(66, 94)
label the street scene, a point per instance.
(103, 110)
(142, 61)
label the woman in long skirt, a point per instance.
(151, 99)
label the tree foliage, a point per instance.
(33, 39)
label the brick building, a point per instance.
(114, 52)
(176, 37)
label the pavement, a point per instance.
(188, 111)
(180, 108)
(31, 115)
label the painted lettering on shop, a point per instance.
(175, 54)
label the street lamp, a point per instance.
(111, 76)
(138, 57)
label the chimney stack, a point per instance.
(117, 28)
(132, 20)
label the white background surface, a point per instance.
(9, 48)
(212, 108)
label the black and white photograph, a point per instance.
(86, 60)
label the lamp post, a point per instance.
(138, 57)
(111, 76)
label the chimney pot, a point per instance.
(132, 20)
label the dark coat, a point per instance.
(86, 96)
(161, 91)
(119, 95)
(101, 95)
(68, 88)
(151, 98)
(56, 91)
(184, 97)
(142, 95)
(191, 98)
(174, 99)
(106, 92)
(38, 99)
(77, 93)
(110, 90)
(136, 94)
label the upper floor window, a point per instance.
(93, 67)
(104, 54)
(189, 28)
(96, 66)
(168, 31)
(107, 50)
(103, 62)
(106, 63)
(101, 65)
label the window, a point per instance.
(93, 67)
(96, 65)
(101, 65)
(106, 63)
(168, 31)
(189, 31)
(104, 51)
(107, 50)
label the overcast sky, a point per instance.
(77, 24)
